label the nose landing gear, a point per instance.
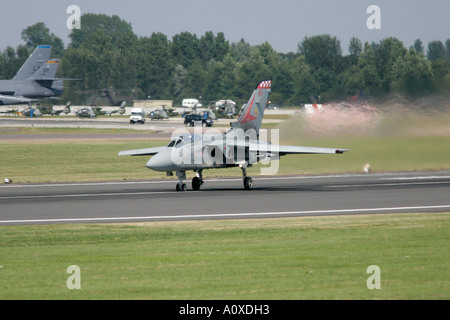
(197, 181)
(181, 186)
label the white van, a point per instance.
(190, 103)
(137, 115)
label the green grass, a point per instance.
(384, 154)
(287, 258)
(59, 161)
(292, 258)
(404, 142)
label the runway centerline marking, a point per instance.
(82, 195)
(386, 184)
(418, 178)
(228, 215)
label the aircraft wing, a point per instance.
(283, 150)
(142, 152)
(57, 79)
(263, 146)
(7, 99)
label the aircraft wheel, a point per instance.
(248, 183)
(196, 183)
(181, 187)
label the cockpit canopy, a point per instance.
(180, 140)
(193, 138)
(175, 142)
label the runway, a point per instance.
(151, 130)
(272, 197)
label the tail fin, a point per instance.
(45, 76)
(34, 62)
(46, 72)
(252, 115)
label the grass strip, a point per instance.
(286, 258)
(75, 160)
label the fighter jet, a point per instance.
(34, 80)
(240, 146)
(92, 112)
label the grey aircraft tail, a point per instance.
(45, 76)
(47, 71)
(34, 62)
(252, 115)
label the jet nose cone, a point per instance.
(160, 162)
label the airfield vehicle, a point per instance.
(190, 120)
(190, 103)
(137, 115)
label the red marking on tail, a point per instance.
(248, 117)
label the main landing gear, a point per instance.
(248, 182)
(197, 181)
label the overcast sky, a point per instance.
(283, 23)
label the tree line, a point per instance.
(106, 54)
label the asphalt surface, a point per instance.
(272, 197)
(160, 129)
(160, 135)
(111, 122)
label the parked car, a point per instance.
(190, 119)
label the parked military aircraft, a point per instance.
(108, 97)
(239, 147)
(158, 114)
(40, 110)
(92, 112)
(86, 112)
(34, 80)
